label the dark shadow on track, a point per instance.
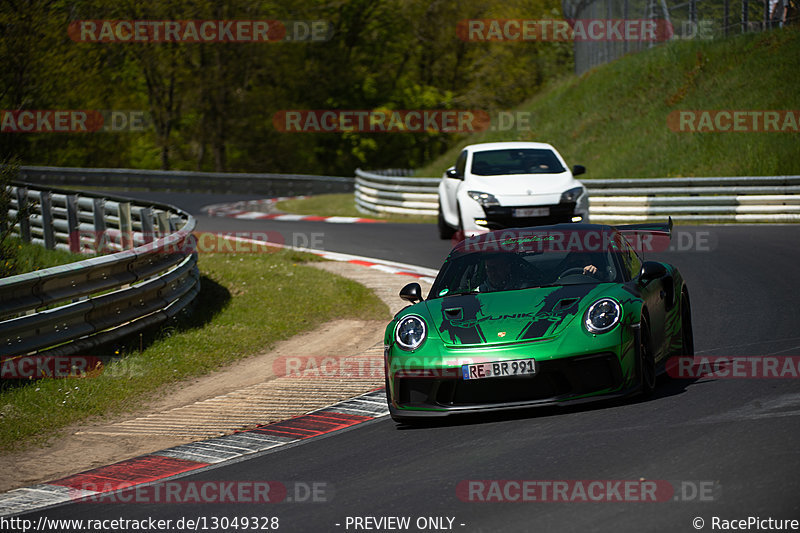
(665, 388)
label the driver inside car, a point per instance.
(582, 260)
(498, 275)
(505, 272)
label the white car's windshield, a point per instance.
(515, 161)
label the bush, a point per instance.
(8, 248)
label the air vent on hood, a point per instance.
(565, 304)
(454, 313)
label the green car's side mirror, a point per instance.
(651, 270)
(411, 293)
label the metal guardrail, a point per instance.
(719, 199)
(385, 191)
(150, 277)
(178, 180)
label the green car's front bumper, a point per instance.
(430, 383)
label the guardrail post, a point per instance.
(125, 225)
(146, 216)
(162, 218)
(745, 15)
(46, 202)
(23, 214)
(3, 220)
(98, 217)
(73, 231)
(625, 8)
(767, 22)
(726, 16)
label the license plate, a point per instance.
(531, 212)
(500, 369)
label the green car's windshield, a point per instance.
(481, 272)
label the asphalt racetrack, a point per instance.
(728, 447)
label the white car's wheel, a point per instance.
(445, 231)
(460, 230)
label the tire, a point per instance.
(445, 231)
(646, 362)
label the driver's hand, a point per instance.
(589, 269)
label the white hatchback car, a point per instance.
(509, 185)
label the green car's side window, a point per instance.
(630, 261)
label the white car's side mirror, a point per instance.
(451, 173)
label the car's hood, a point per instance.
(536, 187)
(510, 316)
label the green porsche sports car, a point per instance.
(537, 316)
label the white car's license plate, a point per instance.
(531, 212)
(499, 370)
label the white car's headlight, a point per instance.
(602, 315)
(572, 195)
(410, 332)
(483, 198)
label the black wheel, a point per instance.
(445, 231)
(647, 361)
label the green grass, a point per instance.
(613, 119)
(248, 302)
(343, 205)
(18, 257)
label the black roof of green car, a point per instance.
(487, 241)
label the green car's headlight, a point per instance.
(602, 315)
(410, 332)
